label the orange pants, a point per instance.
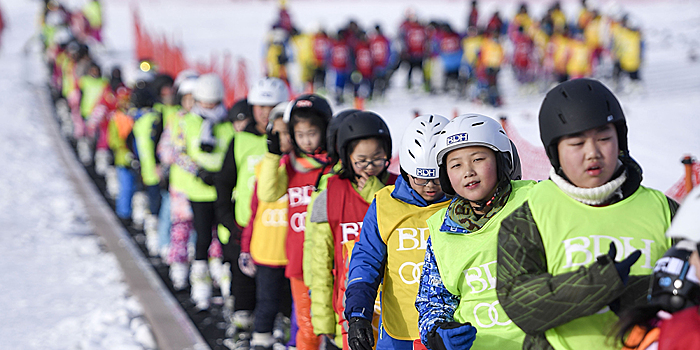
(306, 339)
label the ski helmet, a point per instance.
(417, 154)
(209, 89)
(332, 134)
(268, 92)
(361, 125)
(241, 110)
(575, 106)
(278, 112)
(313, 107)
(142, 97)
(684, 224)
(187, 86)
(477, 130)
(186, 74)
(675, 285)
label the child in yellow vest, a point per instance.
(478, 165)
(392, 244)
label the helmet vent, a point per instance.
(502, 132)
(561, 117)
(429, 120)
(563, 92)
(420, 132)
(351, 128)
(590, 88)
(608, 104)
(477, 124)
(411, 153)
(421, 123)
(418, 143)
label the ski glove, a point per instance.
(245, 263)
(206, 176)
(360, 334)
(451, 336)
(273, 142)
(623, 267)
(328, 343)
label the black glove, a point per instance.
(452, 336)
(360, 334)
(205, 147)
(273, 142)
(623, 267)
(206, 176)
(328, 343)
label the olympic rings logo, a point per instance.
(493, 315)
(274, 217)
(415, 272)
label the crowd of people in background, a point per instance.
(286, 208)
(539, 50)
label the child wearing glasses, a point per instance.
(392, 244)
(457, 294)
(363, 143)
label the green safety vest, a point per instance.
(249, 150)
(199, 191)
(146, 147)
(467, 265)
(92, 89)
(574, 234)
(167, 111)
(180, 180)
(93, 13)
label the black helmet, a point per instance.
(142, 97)
(674, 285)
(361, 125)
(575, 106)
(309, 105)
(332, 134)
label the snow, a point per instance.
(61, 290)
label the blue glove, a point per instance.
(452, 336)
(623, 267)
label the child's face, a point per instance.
(307, 136)
(429, 189)
(472, 171)
(589, 159)
(187, 102)
(368, 158)
(285, 141)
(261, 115)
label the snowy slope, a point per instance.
(59, 288)
(662, 122)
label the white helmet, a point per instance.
(185, 75)
(277, 112)
(684, 222)
(417, 154)
(268, 92)
(209, 89)
(62, 36)
(477, 130)
(187, 86)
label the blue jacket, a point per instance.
(369, 256)
(434, 302)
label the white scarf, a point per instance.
(210, 118)
(590, 196)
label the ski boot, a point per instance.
(238, 333)
(84, 151)
(225, 280)
(102, 160)
(139, 203)
(201, 284)
(178, 275)
(262, 341)
(112, 182)
(150, 227)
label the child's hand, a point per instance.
(361, 181)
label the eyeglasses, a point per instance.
(425, 182)
(375, 163)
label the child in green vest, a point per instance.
(391, 244)
(557, 279)
(479, 167)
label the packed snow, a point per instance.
(61, 290)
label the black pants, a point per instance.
(242, 286)
(414, 62)
(204, 221)
(273, 295)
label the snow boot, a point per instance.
(225, 280)
(150, 227)
(178, 275)
(102, 160)
(281, 328)
(201, 284)
(215, 270)
(84, 151)
(112, 182)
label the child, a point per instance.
(364, 147)
(295, 174)
(391, 241)
(478, 165)
(550, 282)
